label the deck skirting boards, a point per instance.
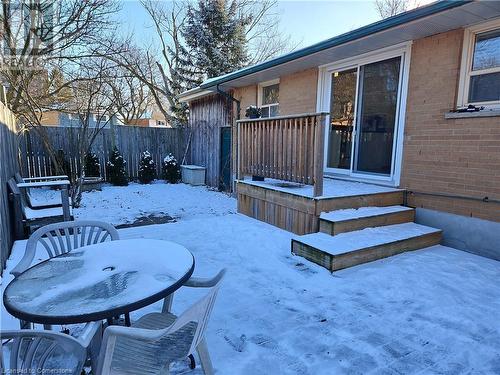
(299, 214)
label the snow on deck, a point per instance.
(331, 188)
(352, 241)
(429, 311)
(362, 212)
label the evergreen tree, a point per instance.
(171, 169)
(147, 168)
(116, 168)
(92, 167)
(215, 36)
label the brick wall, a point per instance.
(297, 93)
(450, 156)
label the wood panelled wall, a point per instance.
(9, 165)
(206, 117)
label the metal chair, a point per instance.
(60, 238)
(157, 339)
(44, 352)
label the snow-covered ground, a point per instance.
(435, 310)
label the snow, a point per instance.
(362, 212)
(44, 196)
(331, 188)
(356, 240)
(123, 204)
(429, 311)
(44, 212)
(81, 281)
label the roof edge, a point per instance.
(382, 25)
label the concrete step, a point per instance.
(352, 248)
(341, 221)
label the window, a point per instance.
(480, 71)
(269, 99)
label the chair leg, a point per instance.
(23, 324)
(206, 363)
(167, 303)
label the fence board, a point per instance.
(9, 165)
(130, 140)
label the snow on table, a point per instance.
(98, 278)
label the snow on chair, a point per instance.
(42, 182)
(157, 339)
(60, 238)
(44, 352)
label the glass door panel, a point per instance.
(342, 117)
(377, 113)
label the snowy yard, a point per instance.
(430, 311)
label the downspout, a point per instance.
(238, 110)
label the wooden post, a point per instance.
(65, 203)
(319, 152)
(238, 152)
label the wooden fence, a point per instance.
(9, 165)
(131, 141)
(289, 148)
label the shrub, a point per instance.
(171, 169)
(253, 112)
(92, 167)
(116, 168)
(147, 168)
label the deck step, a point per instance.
(341, 221)
(353, 248)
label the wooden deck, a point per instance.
(299, 212)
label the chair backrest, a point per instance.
(18, 178)
(60, 238)
(40, 352)
(168, 341)
(199, 313)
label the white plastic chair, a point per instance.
(44, 352)
(157, 339)
(60, 238)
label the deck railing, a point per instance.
(289, 148)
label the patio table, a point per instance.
(98, 282)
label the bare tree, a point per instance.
(130, 95)
(389, 8)
(95, 108)
(165, 68)
(44, 44)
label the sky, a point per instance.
(307, 22)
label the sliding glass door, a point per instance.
(364, 102)
(377, 107)
(342, 108)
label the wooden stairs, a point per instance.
(355, 236)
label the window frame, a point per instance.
(260, 95)
(466, 65)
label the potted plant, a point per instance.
(253, 112)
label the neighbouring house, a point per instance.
(383, 105)
(66, 119)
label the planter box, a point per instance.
(92, 183)
(193, 174)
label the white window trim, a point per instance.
(259, 94)
(323, 105)
(466, 64)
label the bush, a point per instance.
(171, 169)
(116, 169)
(92, 167)
(147, 168)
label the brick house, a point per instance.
(385, 102)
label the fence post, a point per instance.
(319, 153)
(238, 152)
